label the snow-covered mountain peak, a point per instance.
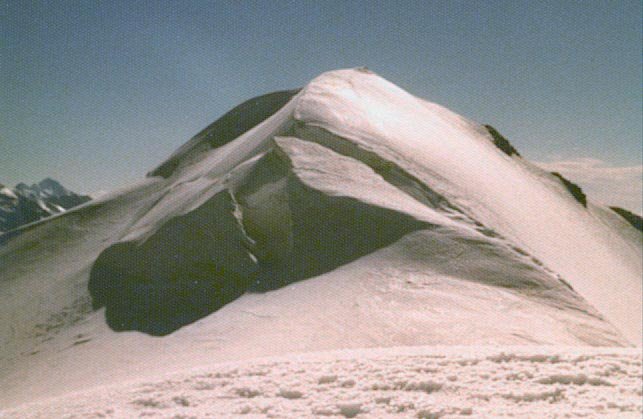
(7, 193)
(458, 159)
(346, 214)
(26, 204)
(360, 100)
(46, 188)
(52, 188)
(441, 160)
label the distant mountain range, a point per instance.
(25, 204)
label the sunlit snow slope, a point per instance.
(347, 214)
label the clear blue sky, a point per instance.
(97, 93)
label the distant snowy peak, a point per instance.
(25, 204)
(46, 188)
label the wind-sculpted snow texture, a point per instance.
(349, 214)
(393, 383)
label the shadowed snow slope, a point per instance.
(348, 214)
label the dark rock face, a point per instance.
(26, 204)
(635, 220)
(573, 189)
(501, 142)
(192, 266)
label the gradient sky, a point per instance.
(95, 93)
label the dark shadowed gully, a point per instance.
(190, 267)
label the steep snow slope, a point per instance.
(454, 157)
(355, 215)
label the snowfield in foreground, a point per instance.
(421, 382)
